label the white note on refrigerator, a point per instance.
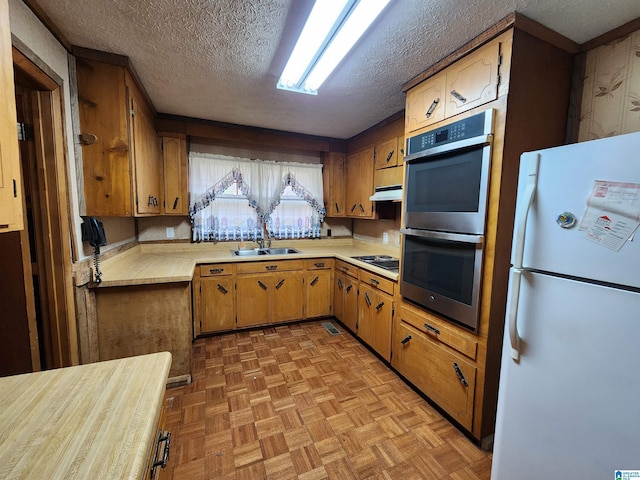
(612, 214)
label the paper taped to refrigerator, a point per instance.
(612, 214)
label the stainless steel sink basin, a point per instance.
(249, 253)
(281, 251)
(264, 251)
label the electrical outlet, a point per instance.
(385, 237)
(171, 232)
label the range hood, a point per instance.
(388, 193)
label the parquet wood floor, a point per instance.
(296, 402)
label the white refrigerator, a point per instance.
(569, 395)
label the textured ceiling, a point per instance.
(220, 59)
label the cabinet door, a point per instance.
(473, 81)
(146, 161)
(103, 111)
(319, 288)
(360, 184)
(350, 304)
(218, 303)
(174, 155)
(425, 103)
(375, 312)
(334, 181)
(11, 218)
(338, 296)
(253, 299)
(447, 379)
(387, 154)
(288, 296)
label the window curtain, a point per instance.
(218, 214)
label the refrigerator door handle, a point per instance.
(529, 195)
(514, 291)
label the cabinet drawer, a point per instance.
(319, 264)
(261, 267)
(437, 330)
(217, 269)
(347, 268)
(447, 379)
(376, 281)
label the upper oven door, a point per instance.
(446, 187)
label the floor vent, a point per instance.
(330, 328)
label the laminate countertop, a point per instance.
(87, 422)
(175, 262)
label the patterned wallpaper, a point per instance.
(611, 89)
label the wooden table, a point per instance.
(87, 422)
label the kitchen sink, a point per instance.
(264, 251)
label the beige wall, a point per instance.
(611, 89)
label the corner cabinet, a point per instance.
(523, 71)
(122, 163)
(11, 216)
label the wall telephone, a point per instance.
(93, 232)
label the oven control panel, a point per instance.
(470, 127)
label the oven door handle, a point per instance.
(453, 237)
(449, 147)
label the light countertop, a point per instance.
(90, 421)
(176, 262)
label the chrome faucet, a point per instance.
(260, 242)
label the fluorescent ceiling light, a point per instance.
(333, 27)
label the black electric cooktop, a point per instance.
(382, 261)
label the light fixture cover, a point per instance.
(331, 30)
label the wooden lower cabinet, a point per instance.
(254, 299)
(345, 299)
(159, 456)
(288, 297)
(436, 370)
(375, 314)
(319, 288)
(218, 303)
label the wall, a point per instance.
(611, 89)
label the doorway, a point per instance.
(36, 278)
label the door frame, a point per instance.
(54, 204)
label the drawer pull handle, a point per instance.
(337, 208)
(405, 340)
(271, 267)
(165, 456)
(319, 264)
(354, 207)
(216, 270)
(314, 281)
(175, 203)
(222, 289)
(361, 208)
(340, 286)
(433, 106)
(374, 281)
(345, 269)
(367, 299)
(379, 306)
(460, 375)
(390, 155)
(458, 96)
(349, 288)
(432, 329)
(262, 285)
(279, 284)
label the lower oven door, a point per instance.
(441, 272)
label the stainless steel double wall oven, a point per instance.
(446, 187)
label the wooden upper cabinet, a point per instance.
(11, 218)
(120, 148)
(387, 154)
(334, 184)
(473, 81)
(174, 154)
(360, 167)
(425, 103)
(469, 83)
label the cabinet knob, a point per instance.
(460, 375)
(87, 138)
(222, 289)
(458, 96)
(314, 281)
(405, 340)
(433, 106)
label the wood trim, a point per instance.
(32, 65)
(514, 19)
(621, 31)
(48, 23)
(243, 135)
